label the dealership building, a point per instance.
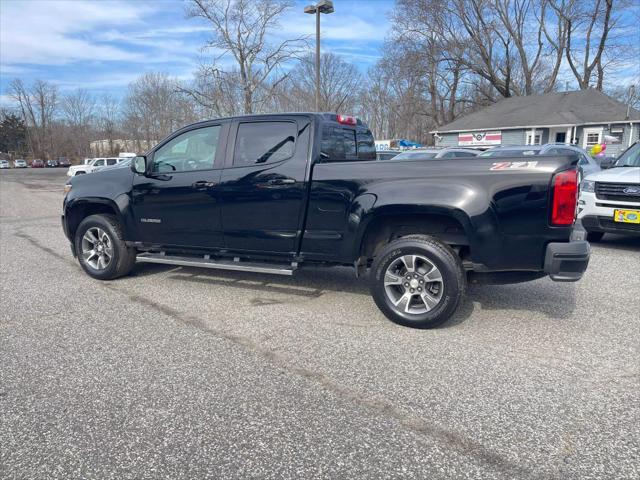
(583, 117)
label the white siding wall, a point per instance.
(518, 137)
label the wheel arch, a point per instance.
(82, 208)
(450, 226)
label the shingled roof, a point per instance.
(552, 109)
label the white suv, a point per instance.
(91, 166)
(610, 199)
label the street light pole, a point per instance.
(317, 59)
(323, 6)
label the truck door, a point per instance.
(177, 203)
(263, 184)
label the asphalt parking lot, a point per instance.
(187, 373)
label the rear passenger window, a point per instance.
(366, 145)
(264, 142)
(341, 144)
(112, 161)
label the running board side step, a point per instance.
(206, 262)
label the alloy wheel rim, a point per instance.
(97, 248)
(413, 284)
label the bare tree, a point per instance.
(240, 28)
(340, 83)
(37, 106)
(109, 119)
(215, 92)
(592, 21)
(154, 107)
(78, 109)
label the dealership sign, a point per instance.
(479, 138)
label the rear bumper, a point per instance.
(566, 262)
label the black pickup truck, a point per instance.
(273, 193)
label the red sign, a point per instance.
(479, 138)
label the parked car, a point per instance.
(436, 153)
(91, 166)
(4, 164)
(387, 154)
(63, 162)
(51, 164)
(274, 193)
(586, 164)
(19, 163)
(37, 163)
(120, 162)
(610, 199)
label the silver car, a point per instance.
(436, 153)
(4, 163)
(586, 163)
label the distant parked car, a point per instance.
(63, 162)
(122, 162)
(436, 153)
(4, 164)
(37, 164)
(19, 163)
(387, 154)
(91, 166)
(51, 164)
(586, 164)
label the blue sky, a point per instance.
(102, 45)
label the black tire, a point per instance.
(124, 257)
(594, 237)
(451, 288)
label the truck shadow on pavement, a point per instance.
(618, 242)
(544, 297)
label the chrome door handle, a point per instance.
(281, 181)
(202, 185)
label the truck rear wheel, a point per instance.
(101, 250)
(417, 281)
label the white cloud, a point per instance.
(337, 26)
(55, 33)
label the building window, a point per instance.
(592, 139)
(592, 136)
(533, 137)
(617, 133)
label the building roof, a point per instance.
(581, 107)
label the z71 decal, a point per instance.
(513, 165)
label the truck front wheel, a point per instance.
(417, 281)
(102, 252)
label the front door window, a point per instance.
(193, 150)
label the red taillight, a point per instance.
(565, 192)
(347, 120)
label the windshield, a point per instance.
(416, 156)
(630, 158)
(512, 152)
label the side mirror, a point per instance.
(607, 162)
(139, 165)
